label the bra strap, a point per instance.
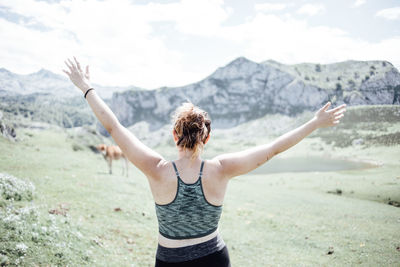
(176, 170)
(201, 168)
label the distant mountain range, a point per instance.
(241, 91)
(47, 82)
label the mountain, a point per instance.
(244, 90)
(47, 82)
(239, 92)
(46, 97)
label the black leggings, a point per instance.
(217, 259)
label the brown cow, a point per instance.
(111, 153)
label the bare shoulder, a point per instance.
(213, 167)
(162, 170)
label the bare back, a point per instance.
(164, 187)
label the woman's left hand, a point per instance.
(77, 76)
(326, 118)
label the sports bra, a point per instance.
(189, 215)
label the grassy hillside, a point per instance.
(315, 218)
(365, 126)
(347, 74)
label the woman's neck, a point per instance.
(186, 155)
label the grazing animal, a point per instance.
(111, 153)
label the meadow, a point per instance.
(59, 205)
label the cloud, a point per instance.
(117, 40)
(124, 47)
(311, 9)
(389, 13)
(290, 40)
(268, 7)
(358, 3)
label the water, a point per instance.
(309, 164)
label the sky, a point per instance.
(151, 44)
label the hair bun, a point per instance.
(192, 126)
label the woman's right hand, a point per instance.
(326, 118)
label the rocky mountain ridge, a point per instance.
(244, 90)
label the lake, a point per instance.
(309, 164)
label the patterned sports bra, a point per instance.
(189, 215)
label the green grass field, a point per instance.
(332, 218)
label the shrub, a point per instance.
(29, 238)
(307, 78)
(76, 147)
(26, 235)
(318, 68)
(12, 188)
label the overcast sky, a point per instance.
(171, 43)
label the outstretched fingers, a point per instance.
(337, 108)
(69, 66)
(68, 73)
(337, 117)
(72, 64)
(326, 106)
(343, 110)
(77, 64)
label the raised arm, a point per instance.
(139, 154)
(234, 164)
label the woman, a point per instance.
(189, 191)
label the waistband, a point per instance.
(191, 252)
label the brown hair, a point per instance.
(192, 126)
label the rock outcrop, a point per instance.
(6, 130)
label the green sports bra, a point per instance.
(189, 215)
